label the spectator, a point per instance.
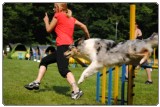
(138, 35)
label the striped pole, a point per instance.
(154, 57)
(132, 21)
(110, 87)
(131, 70)
(98, 87)
(104, 84)
(116, 76)
(123, 84)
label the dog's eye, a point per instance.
(71, 47)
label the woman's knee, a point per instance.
(43, 63)
(64, 72)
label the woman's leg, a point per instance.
(71, 80)
(63, 63)
(41, 73)
(126, 74)
(49, 59)
(42, 70)
(148, 72)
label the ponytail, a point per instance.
(63, 7)
(69, 13)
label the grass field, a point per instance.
(54, 90)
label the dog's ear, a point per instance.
(79, 41)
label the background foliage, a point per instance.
(23, 22)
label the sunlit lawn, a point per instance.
(54, 90)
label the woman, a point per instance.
(138, 35)
(63, 24)
(138, 32)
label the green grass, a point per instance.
(54, 90)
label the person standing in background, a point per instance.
(138, 35)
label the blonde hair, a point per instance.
(63, 7)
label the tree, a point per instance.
(16, 23)
(23, 22)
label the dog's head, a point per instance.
(73, 50)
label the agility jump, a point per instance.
(103, 52)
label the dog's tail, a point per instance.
(153, 40)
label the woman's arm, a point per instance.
(139, 32)
(83, 27)
(49, 26)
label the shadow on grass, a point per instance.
(58, 89)
(62, 90)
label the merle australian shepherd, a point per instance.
(102, 52)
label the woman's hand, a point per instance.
(46, 19)
(49, 25)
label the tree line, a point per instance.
(23, 22)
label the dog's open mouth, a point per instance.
(68, 54)
(71, 52)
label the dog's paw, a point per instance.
(80, 80)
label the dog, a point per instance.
(102, 52)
